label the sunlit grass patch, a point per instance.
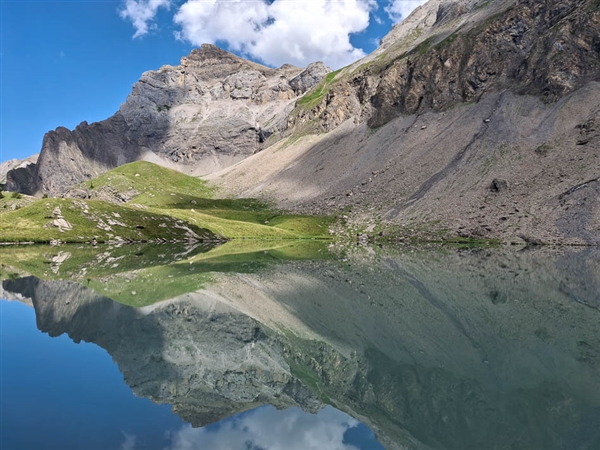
(142, 201)
(86, 220)
(150, 180)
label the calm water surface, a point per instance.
(291, 346)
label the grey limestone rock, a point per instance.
(432, 13)
(498, 185)
(309, 77)
(244, 84)
(211, 111)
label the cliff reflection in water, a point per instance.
(470, 349)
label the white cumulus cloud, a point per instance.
(275, 32)
(141, 13)
(268, 429)
(400, 9)
(284, 31)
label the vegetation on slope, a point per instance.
(140, 202)
(314, 96)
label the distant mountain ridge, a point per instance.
(476, 117)
(13, 164)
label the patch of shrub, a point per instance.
(16, 195)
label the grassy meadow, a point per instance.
(143, 202)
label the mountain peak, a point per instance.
(211, 55)
(436, 14)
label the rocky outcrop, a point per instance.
(15, 165)
(456, 51)
(309, 77)
(210, 112)
(425, 17)
(70, 157)
(547, 49)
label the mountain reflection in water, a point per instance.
(470, 349)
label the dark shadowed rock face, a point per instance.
(457, 51)
(22, 179)
(15, 164)
(205, 114)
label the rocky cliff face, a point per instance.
(205, 114)
(457, 51)
(18, 165)
(547, 49)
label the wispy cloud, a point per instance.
(141, 13)
(269, 429)
(398, 10)
(129, 442)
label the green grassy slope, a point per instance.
(92, 219)
(156, 185)
(160, 204)
(190, 199)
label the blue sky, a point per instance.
(63, 62)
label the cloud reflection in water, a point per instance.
(266, 428)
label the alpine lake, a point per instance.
(299, 344)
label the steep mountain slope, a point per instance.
(207, 113)
(478, 118)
